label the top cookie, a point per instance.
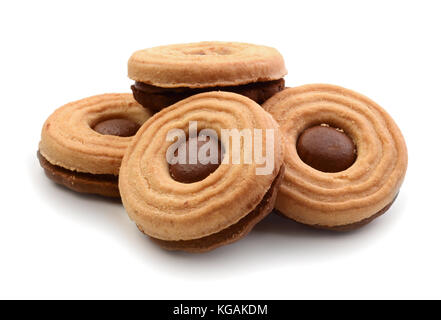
(206, 64)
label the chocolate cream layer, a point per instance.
(101, 184)
(157, 98)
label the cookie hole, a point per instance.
(194, 160)
(326, 148)
(120, 127)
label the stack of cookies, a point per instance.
(210, 142)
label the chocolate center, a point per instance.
(117, 127)
(326, 149)
(190, 173)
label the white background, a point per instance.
(57, 244)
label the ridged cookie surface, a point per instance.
(68, 140)
(337, 199)
(206, 64)
(169, 210)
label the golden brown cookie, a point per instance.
(232, 233)
(201, 215)
(83, 142)
(345, 157)
(166, 74)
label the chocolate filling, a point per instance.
(190, 173)
(326, 149)
(117, 127)
(233, 232)
(101, 184)
(157, 98)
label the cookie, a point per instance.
(199, 206)
(166, 74)
(345, 157)
(83, 142)
(233, 232)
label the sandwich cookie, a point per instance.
(198, 206)
(166, 74)
(83, 142)
(345, 157)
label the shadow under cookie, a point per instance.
(100, 184)
(157, 98)
(232, 233)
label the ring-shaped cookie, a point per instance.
(352, 197)
(192, 216)
(77, 156)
